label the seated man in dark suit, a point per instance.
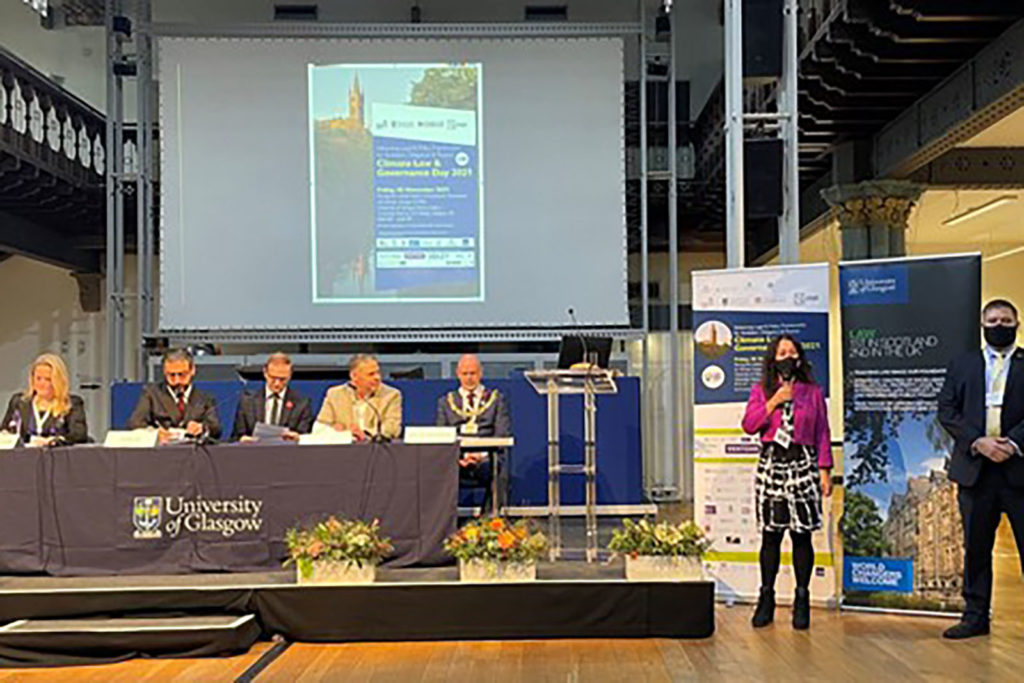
(476, 411)
(175, 403)
(277, 404)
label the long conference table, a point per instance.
(90, 510)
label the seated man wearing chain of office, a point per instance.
(476, 411)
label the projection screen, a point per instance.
(391, 184)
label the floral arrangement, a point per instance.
(662, 539)
(350, 541)
(496, 539)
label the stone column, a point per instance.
(873, 216)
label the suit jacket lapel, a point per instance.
(167, 401)
(1014, 374)
(286, 400)
(260, 409)
(193, 407)
(979, 380)
(190, 407)
(1016, 364)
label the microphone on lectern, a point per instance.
(583, 339)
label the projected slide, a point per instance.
(396, 189)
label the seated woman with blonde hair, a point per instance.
(46, 413)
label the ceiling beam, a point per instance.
(978, 94)
(29, 239)
(975, 168)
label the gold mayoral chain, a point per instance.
(471, 414)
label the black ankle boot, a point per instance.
(764, 614)
(802, 609)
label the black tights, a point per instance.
(803, 557)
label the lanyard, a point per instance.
(40, 418)
(991, 379)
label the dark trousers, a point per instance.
(478, 476)
(981, 507)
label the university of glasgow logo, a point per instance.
(146, 514)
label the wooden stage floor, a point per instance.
(839, 647)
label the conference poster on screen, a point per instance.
(736, 313)
(396, 187)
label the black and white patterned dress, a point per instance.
(787, 489)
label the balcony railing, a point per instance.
(44, 124)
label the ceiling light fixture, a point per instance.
(1003, 254)
(978, 210)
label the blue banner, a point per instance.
(903, 321)
(894, 574)
(875, 285)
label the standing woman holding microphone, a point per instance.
(787, 410)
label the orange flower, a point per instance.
(506, 540)
(315, 548)
(497, 524)
(521, 532)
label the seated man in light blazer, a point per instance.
(364, 405)
(277, 404)
(476, 411)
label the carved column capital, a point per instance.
(873, 203)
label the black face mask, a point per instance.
(1000, 336)
(787, 367)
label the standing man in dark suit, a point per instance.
(982, 407)
(476, 411)
(175, 403)
(277, 404)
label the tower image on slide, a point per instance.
(356, 119)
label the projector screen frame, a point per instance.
(395, 30)
(407, 335)
(398, 30)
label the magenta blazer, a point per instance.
(810, 419)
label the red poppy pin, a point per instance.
(288, 405)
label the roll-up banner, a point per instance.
(736, 314)
(903, 321)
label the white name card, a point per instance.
(131, 438)
(427, 435)
(323, 435)
(8, 441)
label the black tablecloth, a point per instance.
(179, 509)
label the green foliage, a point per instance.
(449, 88)
(890, 600)
(871, 432)
(861, 527)
(664, 539)
(352, 541)
(494, 538)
